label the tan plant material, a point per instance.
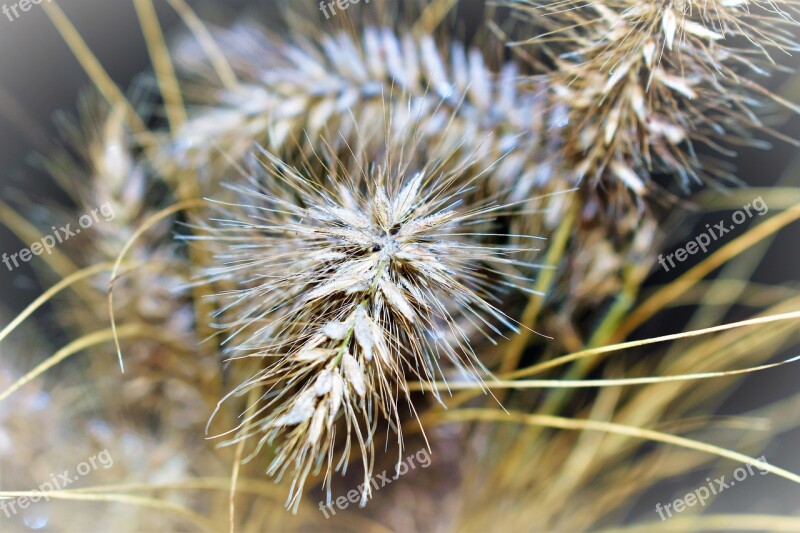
(311, 83)
(99, 167)
(321, 82)
(640, 83)
(346, 282)
(350, 284)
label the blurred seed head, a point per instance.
(296, 88)
(641, 83)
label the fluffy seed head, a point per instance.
(351, 285)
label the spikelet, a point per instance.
(351, 283)
(459, 100)
(643, 82)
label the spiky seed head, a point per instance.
(350, 285)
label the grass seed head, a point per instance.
(296, 88)
(641, 82)
(350, 283)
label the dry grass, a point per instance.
(409, 282)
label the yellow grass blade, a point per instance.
(575, 424)
(258, 487)
(92, 66)
(433, 14)
(593, 383)
(544, 281)
(52, 291)
(777, 198)
(150, 222)
(78, 345)
(661, 298)
(540, 367)
(152, 503)
(207, 43)
(162, 63)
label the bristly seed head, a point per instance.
(353, 284)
